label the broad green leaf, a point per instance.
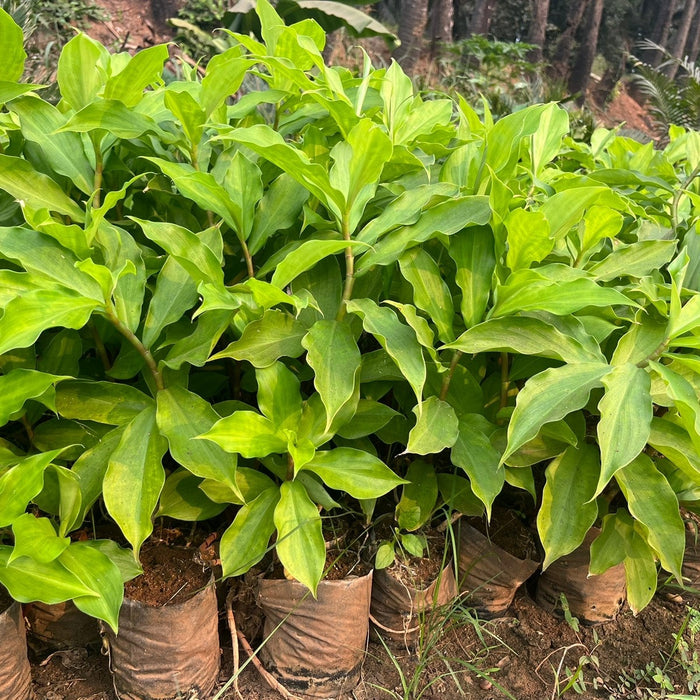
(525, 336)
(640, 571)
(13, 53)
(397, 339)
(182, 499)
(279, 395)
(243, 183)
(189, 250)
(103, 402)
(99, 573)
(277, 334)
(20, 385)
(305, 256)
(225, 73)
(196, 347)
(673, 441)
(21, 483)
(610, 547)
(634, 260)
(81, 72)
(355, 472)
(369, 417)
(561, 297)
(553, 126)
(474, 453)
(385, 556)
(436, 427)
(430, 292)
(135, 477)
(182, 416)
(568, 508)
(651, 501)
(36, 538)
(175, 293)
(300, 544)
(143, 69)
(247, 539)
(122, 557)
(28, 580)
(418, 496)
(115, 118)
(457, 493)
(528, 238)
(684, 398)
(25, 184)
(248, 434)
(626, 411)
(599, 223)
(550, 396)
(11, 91)
(473, 253)
(65, 152)
(189, 113)
(688, 319)
(644, 338)
(335, 359)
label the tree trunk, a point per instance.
(581, 74)
(481, 16)
(414, 17)
(562, 52)
(538, 28)
(694, 36)
(443, 20)
(662, 29)
(678, 49)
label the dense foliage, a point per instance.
(261, 303)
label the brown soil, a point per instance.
(170, 575)
(420, 572)
(624, 109)
(507, 531)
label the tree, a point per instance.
(443, 20)
(662, 27)
(580, 76)
(538, 28)
(562, 52)
(681, 38)
(693, 44)
(412, 22)
(481, 16)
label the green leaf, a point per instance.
(683, 396)
(436, 427)
(182, 416)
(418, 496)
(115, 118)
(355, 472)
(568, 508)
(81, 72)
(397, 339)
(651, 501)
(25, 184)
(99, 573)
(385, 556)
(528, 238)
(675, 444)
(525, 336)
(457, 493)
(122, 557)
(20, 385)
(248, 434)
(182, 499)
(225, 73)
(430, 292)
(473, 253)
(142, 70)
(474, 453)
(641, 341)
(21, 483)
(300, 544)
(13, 53)
(369, 417)
(195, 348)
(634, 260)
(335, 359)
(189, 250)
(36, 538)
(103, 402)
(28, 580)
(135, 477)
(413, 544)
(277, 334)
(553, 126)
(550, 396)
(279, 395)
(626, 411)
(247, 539)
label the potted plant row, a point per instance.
(247, 310)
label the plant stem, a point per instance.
(505, 381)
(679, 193)
(450, 373)
(140, 348)
(248, 259)
(100, 348)
(349, 271)
(99, 167)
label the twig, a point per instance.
(453, 519)
(267, 677)
(234, 641)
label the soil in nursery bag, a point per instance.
(495, 559)
(168, 644)
(592, 599)
(407, 592)
(15, 679)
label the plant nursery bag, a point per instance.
(60, 626)
(315, 647)
(15, 676)
(168, 652)
(398, 610)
